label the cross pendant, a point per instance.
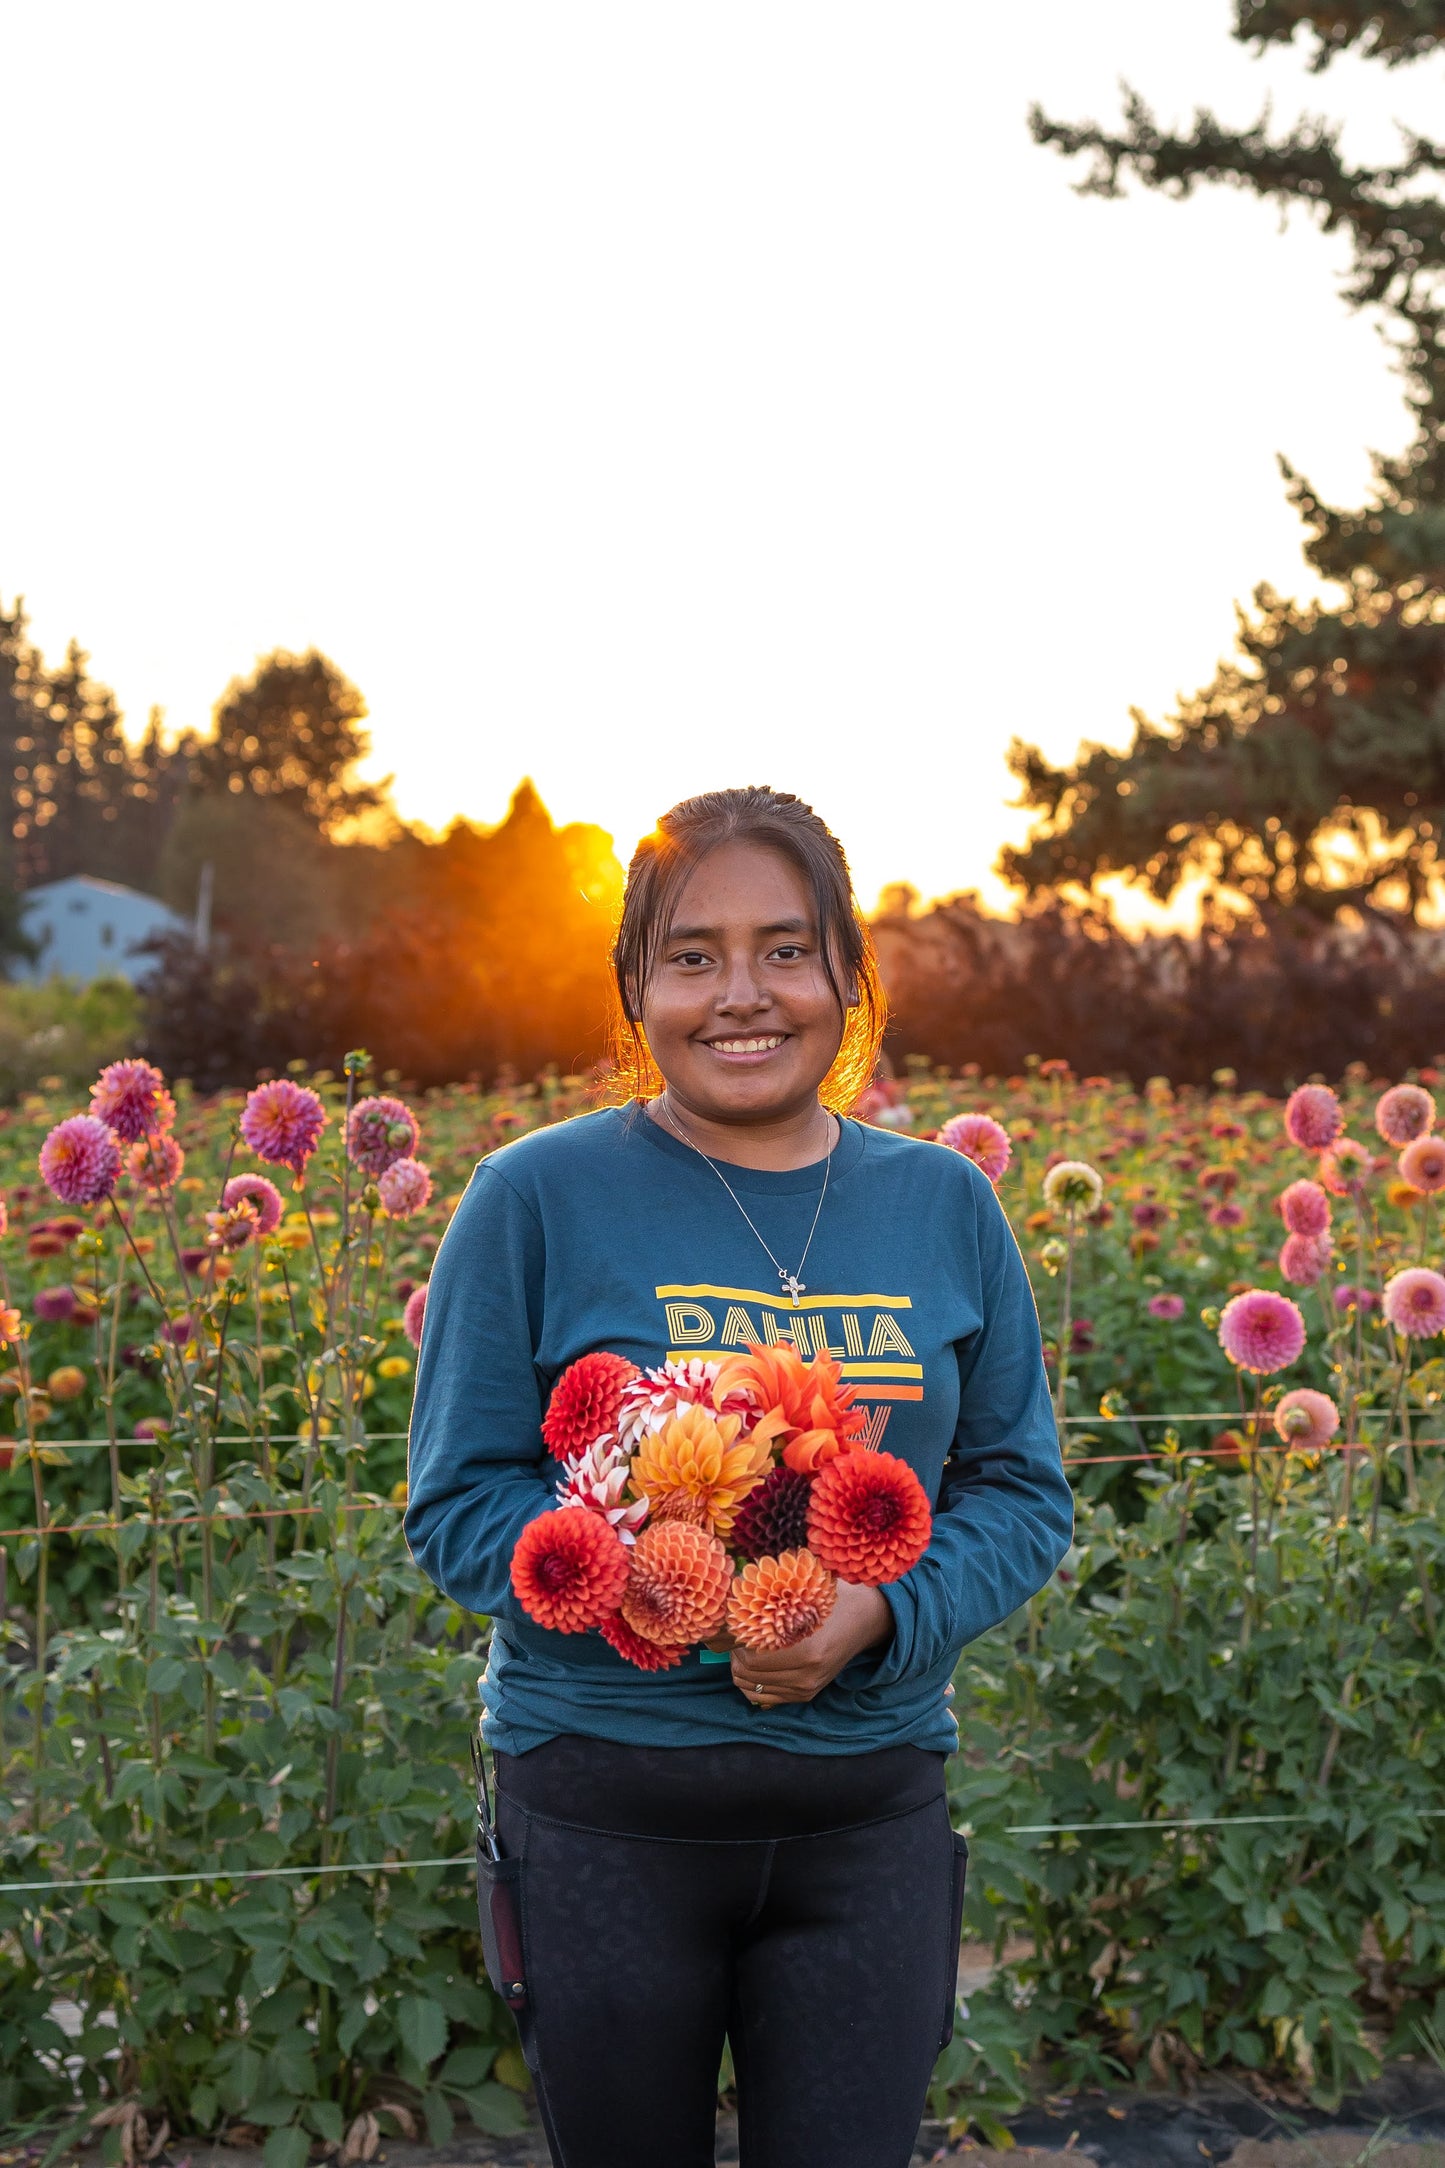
(794, 1285)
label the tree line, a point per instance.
(334, 923)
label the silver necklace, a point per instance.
(792, 1281)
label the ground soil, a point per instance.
(1399, 2122)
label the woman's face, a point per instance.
(738, 1012)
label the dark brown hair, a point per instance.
(662, 862)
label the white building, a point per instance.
(89, 929)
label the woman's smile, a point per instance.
(739, 1052)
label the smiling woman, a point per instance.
(749, 1843)
(798, 965)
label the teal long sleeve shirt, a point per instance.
(606, 1232)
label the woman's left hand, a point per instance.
(860, 1619)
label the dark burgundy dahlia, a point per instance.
(774, 1517)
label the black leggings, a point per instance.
(798, 1905)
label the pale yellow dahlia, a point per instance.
(698, 1468)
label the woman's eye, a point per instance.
(788, 953)
(690, 957)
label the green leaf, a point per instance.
(422, 2024)
(352, 2024)
(440, 2122)
(324, 2117)
(497, 2110)
(289, 2147)
(467, 2066)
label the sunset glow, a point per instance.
(645, 399)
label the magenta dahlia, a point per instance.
(1313, 1116)
(80, 1160)
(1262, 1331)
(130, 1097)
(415, 1311)
(256, 1190)
(378, 1132)
(1167, 1308)
(405, 1187)
(1404, 1113)
(1306, 1419)
(1305, 1209)
(979, 1138)
(1415, 1302)
(1303, 1258)
(1422, 1164)
(282, 1122)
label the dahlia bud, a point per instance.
(1209, 1316)
(371, 1196)
(357, 1062)
(1052, 1255)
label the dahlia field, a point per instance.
(1201, 1770)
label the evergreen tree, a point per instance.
(1311, 771)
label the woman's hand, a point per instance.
(860, 1619)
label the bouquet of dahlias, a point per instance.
(702, 1495)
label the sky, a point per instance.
(652, 396)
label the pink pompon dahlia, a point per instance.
(1404, 1113)
(130, 1097)
(1305, 1209)
(1261, 1331)
(405, 1187)
(1422, 1164)
(156, 1162)
(1415, 1302)
(379, 1132)
(4, 1217)
(979, 1138)
(1303, 1258)
(80, 1160)
(256, 1190)
(415, 1311)
(282, 1122)
(1313, 1116)
(1168, 1308)
(1306, 1419)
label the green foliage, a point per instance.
(1310, 772)
(1231, 1646)
(250, 1681)
(227, 1673)
(56, 1029)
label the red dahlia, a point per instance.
(647, 1655)
(585, 1401)
(774, 1517)
(868, 1519)
(569, 1570)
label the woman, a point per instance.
(754, 1848)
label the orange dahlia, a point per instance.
(805, 1403)
(678, 1589)
(868, 1519)
(569, 1570)
(776, 1602)
(647, 1655)
(699, 1468)
(585, 1401)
